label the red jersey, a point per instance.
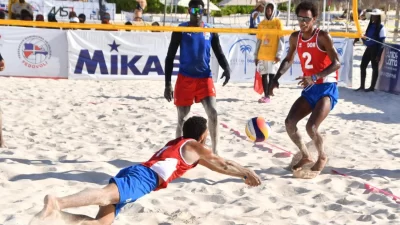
(168, 162)
(313, 60)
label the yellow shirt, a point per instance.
(269, 42)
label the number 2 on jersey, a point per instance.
(307, 56)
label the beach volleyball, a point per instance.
(257, 129)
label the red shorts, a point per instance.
(188, 89)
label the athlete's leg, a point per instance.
(183, 98)
(183, 111)
(91, 196)
(366, 58)
(319, 113)
(210, 106)
(105, 216)
(300, 109)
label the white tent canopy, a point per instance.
(185, 3)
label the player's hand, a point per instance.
(274, 84)
(252, 178)
(305, 81)
(227, 76)
(277, 59)
(256, 61)
(168, 93)
(2, 65)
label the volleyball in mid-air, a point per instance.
(257, 129)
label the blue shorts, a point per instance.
(133, 183)
(318, 91)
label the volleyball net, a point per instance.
(334, 19)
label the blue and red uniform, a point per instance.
(194, 81)
(165, 165)
(314, 60)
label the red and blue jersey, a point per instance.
(195, 53)
(169, 163)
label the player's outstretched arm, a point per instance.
(219, 54)
(176, 38)
(220, 165)
(325, 42)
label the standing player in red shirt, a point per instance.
(319, 62)
(132, 183)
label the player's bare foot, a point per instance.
(50, 206)
(301, 163)
(320, 164)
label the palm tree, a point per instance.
(244, 49)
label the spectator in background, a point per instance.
(255, 14)
(375, 31)
(17, 7)
(138, 19)
(74, 20)
(72, 14)
(51, 17)
(39, 17)
(269, 49)
(106, 18)
(2, 15)
(26, 15)
(140, 6)
(155, 24)
(82, 18)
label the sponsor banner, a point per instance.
(118, 55)
(62, 8)
(239, 50)
(91, 9)
(34, 52)
(389, 71)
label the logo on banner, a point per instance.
(119, 64)
(246, 46)
(34, 51)
(339, 49)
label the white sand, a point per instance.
(59, 143)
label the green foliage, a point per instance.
(153, 6)
(283, 7)
(228, 10)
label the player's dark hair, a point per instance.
(307, 6)
(195, 3)
(194, 127)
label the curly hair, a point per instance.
(194, 127)
(307, 6)
(195, 3)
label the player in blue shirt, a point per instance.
(194, 82)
